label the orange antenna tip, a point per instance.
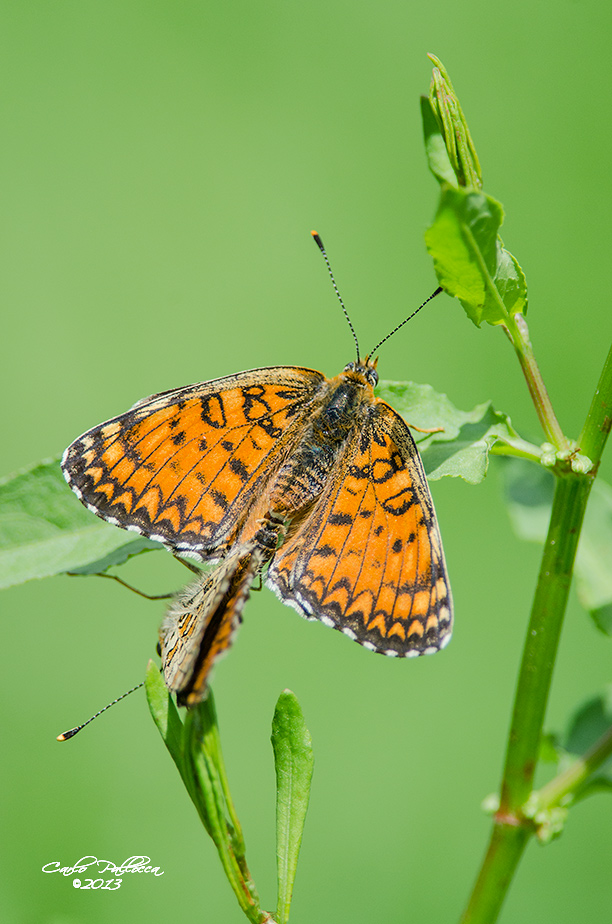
(318, 241)
(72, 731)
(68, 734)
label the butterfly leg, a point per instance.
(426, 429)
(113, 577)
(188, 564)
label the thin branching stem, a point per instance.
(518, 332)
(577, 773)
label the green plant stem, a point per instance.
(518, 332)
(550, 600)
(517, 448)
(568, 782)
(499, 865)
(506, 845)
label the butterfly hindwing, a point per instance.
(202, 622)
(369, 560)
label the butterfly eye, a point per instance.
(350, 367)
(371, 375)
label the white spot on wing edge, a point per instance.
(349, 633)
(289, 601)
(369, 646)
(185, 553)
(444, 641)
(307, 607)
(390, 653)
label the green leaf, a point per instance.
(44, 530)
(591, 721)
(293, 759)
(469, 259)
(529, 493)
(549, 748)
(118, 556)
(462, 449)
(602, 617)
(207, 785)
(165, 714)
(529, 490)
(593, 564)
(453, 126)
(510, 282)
(435, 148)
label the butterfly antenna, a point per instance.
(319, 244)
(72, 732)
(405, 321)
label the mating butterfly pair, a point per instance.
(315, 480)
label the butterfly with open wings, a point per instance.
(315, 481)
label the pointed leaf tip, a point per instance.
(293, 758)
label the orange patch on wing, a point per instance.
(172, 514)
(378, 622)
(126, 500)
(96, 473)
(440, 589)
(112, 454)
(397, 629)
(108, 489)
(432, 622)
(415, 628)
(150, 502)
(421, 603)
(110, 430)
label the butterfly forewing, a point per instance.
(369, 560)
(184, 466)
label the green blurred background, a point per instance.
(163, 164)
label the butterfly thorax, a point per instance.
(344, 403)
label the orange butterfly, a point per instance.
(315, 478)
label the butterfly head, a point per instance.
(364, 369)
